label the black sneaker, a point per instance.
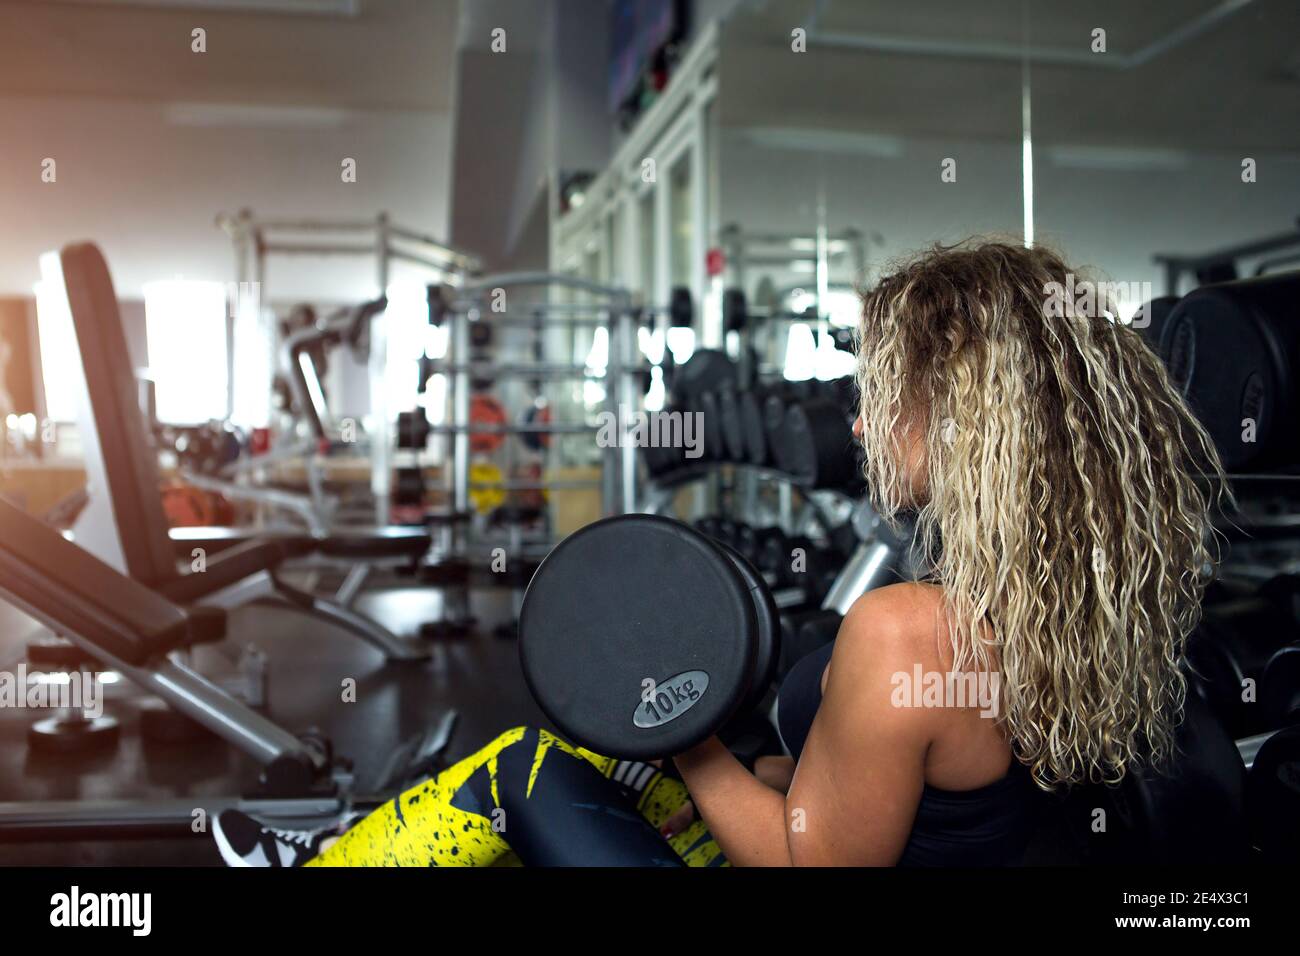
(245, 841)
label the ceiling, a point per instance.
(387, 55)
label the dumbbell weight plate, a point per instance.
(715, 446)
(664, 459)
(816, 445)
(733, 435)
(631, 599)
(767, 652)
(751, 425)
(1233, 643)
(710, 527)
(728, 531)
(774, 409)
(1226, 363)
(1150, 321)
(1279, 688)
(706, 369)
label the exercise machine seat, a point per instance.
(77, 595)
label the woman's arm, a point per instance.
(776, 772)
(860, 776)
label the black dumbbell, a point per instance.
(412, 429)
(729, 531)
(733, 433)
(710, 409)
(735, 310)
(754, 404)
(796, 561)
(619, 669)
(1230, 347)
(1229, 651)
(1273, 799)
(1279, 687)
(705, 370)
(753, 542)
(709, 525)
(681, 308)
(1151, 319)
(816, 447)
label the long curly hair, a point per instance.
(1069, 494)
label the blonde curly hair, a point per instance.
(1068, 496)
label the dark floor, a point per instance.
(478, 675)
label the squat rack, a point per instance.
(612, 310)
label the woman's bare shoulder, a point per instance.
(895, 626)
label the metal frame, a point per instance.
(255, 240)
(616, 314)
(1176, 265)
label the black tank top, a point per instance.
(989, 826)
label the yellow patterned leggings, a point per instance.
(529, 797)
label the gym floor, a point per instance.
(477, 675)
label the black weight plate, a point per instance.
(767, 649)
(1279, 688)
(733, 435)
(1218, 353)
(1151, 320)
(751, 425)
(632, 598)
(774, 409)
(705, 370)
(715, 445)
(816, 445)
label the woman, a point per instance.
(1053, 473)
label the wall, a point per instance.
(148, 188)
(1111, 220)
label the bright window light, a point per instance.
(185, 328)
(593, 389)
(436, 338)
(406, 321)
(843, 308)
(830, 362)
(598, 357)
(654, 398)
(60, 367)
(800, 353)
(435, 398)
(681, 342)
(652, 344)
(254, 363)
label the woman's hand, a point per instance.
(681, 818)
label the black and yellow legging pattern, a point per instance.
(529, 797)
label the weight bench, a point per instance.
(124, 523)
(137, 632)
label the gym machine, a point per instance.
(256, 240)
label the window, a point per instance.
(185, 328)
(60, 367)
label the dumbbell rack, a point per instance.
(611, 308)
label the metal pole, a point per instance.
(381, 437)
(460, 404)
(629, 400)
